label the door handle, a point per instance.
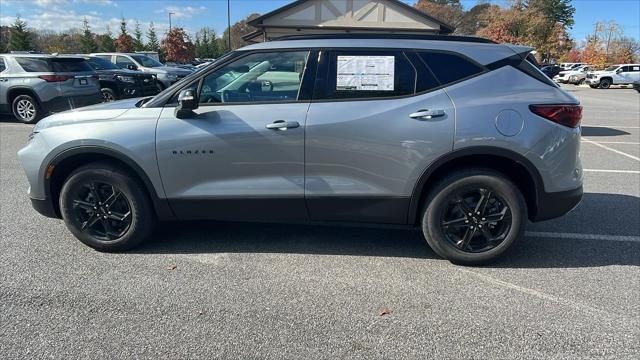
(282, 125)
(426, 114)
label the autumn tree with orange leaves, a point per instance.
(177, 46)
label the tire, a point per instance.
(605, 83)
(463, 190)
(593, 86)
(26, 109)
(130, 219)
(108, 94)
(581, 82)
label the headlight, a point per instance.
(127, 79)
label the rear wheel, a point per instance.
(26, 109)
(474, 217)
(605, 83)
(105, 208)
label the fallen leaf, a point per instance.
(385, 311)
(172, 267)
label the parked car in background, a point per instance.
(117, 83)
(32, 85)
(621, 74)
(573, 76)
(551, 70)
(165, 75)
(569, 66)
(189, 67)
(348, 128)
(636, 85)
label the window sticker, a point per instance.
(365, 73)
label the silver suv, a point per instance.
(460, 136)
(165, 75)
(33, 85)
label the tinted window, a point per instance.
(101, 64)
(366, 74)
(449, 68)
(3, 67)
(146, 61)
(105, 57)
(425, 80)
(256, 78)
(123, 62)
(53, 65)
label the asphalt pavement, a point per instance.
(569, 290)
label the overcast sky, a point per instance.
(59, 15)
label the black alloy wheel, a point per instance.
(102, 210)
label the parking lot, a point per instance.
(570, 289)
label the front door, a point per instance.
(241, 154)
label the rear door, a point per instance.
(377, 119)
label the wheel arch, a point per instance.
(69, 160)
(514, 166)
(16, 91)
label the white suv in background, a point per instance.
(573, 76)
(621, 74)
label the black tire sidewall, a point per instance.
(111, 92)
(499, 185)
(605, 83)
(14, 104)
(143, 217)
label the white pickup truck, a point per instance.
(621, 74)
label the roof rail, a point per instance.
(473, 39)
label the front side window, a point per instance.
(101, 64)
(146, 61)
(123, 62)
(259, 77)
(3, 67)
(366, 74)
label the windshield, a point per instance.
(611, 68)
(101, 64)
(146, 61)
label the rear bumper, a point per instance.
(556, 204)
(63, 103)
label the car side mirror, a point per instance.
(618, 71)
(187, 102)
(132, 67)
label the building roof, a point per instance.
(259, 22)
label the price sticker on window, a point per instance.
(365, 73)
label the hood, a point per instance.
(93, 113)
(169, 70)
(599, 72)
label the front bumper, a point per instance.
(45, 207)
(593, 81)
(556, 204)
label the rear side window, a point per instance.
(365, 74)
(449, 68)
(3, 67)
(53, 65)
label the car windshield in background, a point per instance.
(35, 64)
(101, 64)
(611, 68)
(146, 61)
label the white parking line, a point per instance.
(612, 171)
(578, 236)
(612, 149)
(618, 142)
(611, 126)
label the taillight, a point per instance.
(567, 115)
(55, 78)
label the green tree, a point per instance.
(124, 42)
(138, 45)
(152, 38)
(87, 42)
(555, 11)
(106, 41)
(20, 37)
(123, 27)
(238, 30)
(206, 43)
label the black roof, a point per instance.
(472, 39)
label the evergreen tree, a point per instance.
(138, 45)
(87, 43)
(106, 41)
(123, 27)
(19, 38)
(152, 39)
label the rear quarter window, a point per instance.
(70, 65)
(34, 64)
(53, 65)
(449, 68)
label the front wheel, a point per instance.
(474, 217)
(105, 208)
(605, 83)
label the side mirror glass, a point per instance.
(187, 102)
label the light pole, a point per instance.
(229, 23)
(171, 13)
